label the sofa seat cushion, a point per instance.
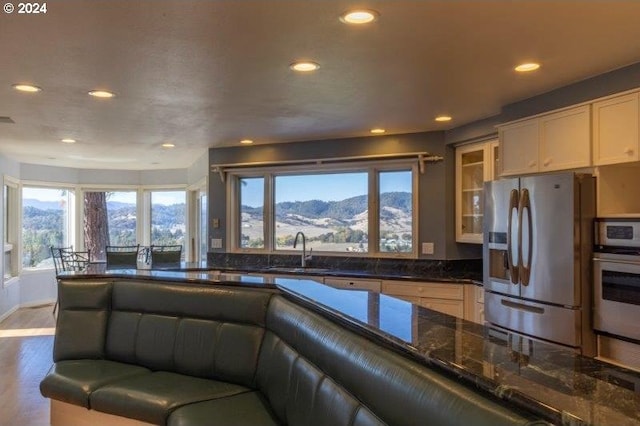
(152, 397)
(239, 410)
(73, 381)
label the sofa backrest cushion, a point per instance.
(82, 319)
(302, 348)
(210, 332)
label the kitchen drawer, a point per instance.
(424, 289)
(619, 352)
(354, 284)
(451, 307)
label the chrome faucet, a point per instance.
(303, 260)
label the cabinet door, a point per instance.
(519, 148)
(473, 168)
(494, 161)
(423, 289)
(565, 140)
(446, 298)
(616, 136)
(450, 307)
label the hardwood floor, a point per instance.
(26, 345)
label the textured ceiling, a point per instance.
(203, 74)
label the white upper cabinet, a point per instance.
(556, 141)
(519, 147)
(565, 139)
(616, 123)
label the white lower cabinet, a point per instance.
(441, 297)
(354, 284)
(619, 352)
(474, 303)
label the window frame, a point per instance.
(148, 199)
(372, 168)
(70, 223)
(12, 228)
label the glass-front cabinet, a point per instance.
(475, 164)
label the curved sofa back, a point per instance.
(307, 362)
(311, 370)
(203, 331)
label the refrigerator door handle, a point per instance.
(513, 268)
(524, 206)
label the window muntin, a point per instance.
(5, 214)
(395, 195)
(329, 208)
(168, 217)
(45, 223)
(251, 198)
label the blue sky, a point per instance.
(325, 187)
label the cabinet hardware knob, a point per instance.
(547, 162)
(628, 151)
(532, 163)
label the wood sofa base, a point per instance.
(63, 414)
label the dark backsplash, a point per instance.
(458, 269)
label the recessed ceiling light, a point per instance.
(529, 66)
(168, 145)
(359, 16)
(68, 140)
(101, 94)
(377, 131)
(246, 141)
(443, 118)
(304, 66)
(26, 88)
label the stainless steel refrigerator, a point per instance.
(538, 244)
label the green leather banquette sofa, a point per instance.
(138, 352)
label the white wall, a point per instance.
(199, 170)
(33, 172)
(9, 295)
(39, 287)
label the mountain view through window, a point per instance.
(331, 209)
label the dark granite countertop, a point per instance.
(553, 382)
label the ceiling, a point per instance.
(203, 74)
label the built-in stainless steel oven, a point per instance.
(617, 277)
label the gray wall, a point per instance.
(435, 186)
(626, 78)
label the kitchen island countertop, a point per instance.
(552, 382)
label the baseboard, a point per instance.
(63, 414)
(38, 303)
(9, 312)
